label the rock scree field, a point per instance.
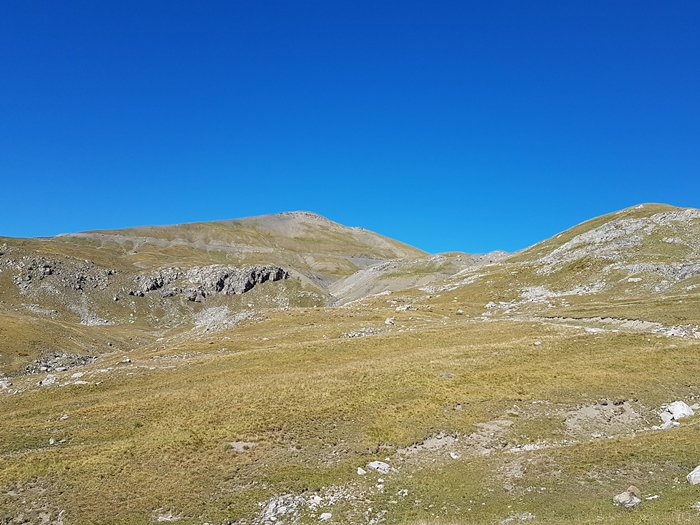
(286, 369)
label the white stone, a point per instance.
(361, 471)
(679, 409)
(379, 466)
(666, 417)
(694, 477)
(325, 516)
(48, 380)
(626, 499)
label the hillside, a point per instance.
(288, 369)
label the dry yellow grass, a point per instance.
(155, 433)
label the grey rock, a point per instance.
(379, 466)
(629, 498)
(48, 380)
(55, 362)
(694, 477)
(203, 281)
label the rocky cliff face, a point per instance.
(200, 282)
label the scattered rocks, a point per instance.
(628, 499)
(58, 362)
(220, 318)
(362, 332)
(289, 508)
(389, 321)
(672, 412)
(526, 516)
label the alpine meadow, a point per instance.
(287, 369)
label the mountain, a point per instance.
(288, 369)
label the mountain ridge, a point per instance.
(231, 386)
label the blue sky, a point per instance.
(449, 125)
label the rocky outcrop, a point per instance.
(67, 273)
(202, 281)
(155, 281)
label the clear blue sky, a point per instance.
(449, 125)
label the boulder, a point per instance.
(694, 477)
(678, 410)
(379, 466)
(629, 498)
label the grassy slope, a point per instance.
(279, 239)
(147, 439)
(152, 436)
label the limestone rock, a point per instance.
(379, 466)
(678, 410)
(694, 477)
(48, 380)
(629, 498)
(201, 281)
